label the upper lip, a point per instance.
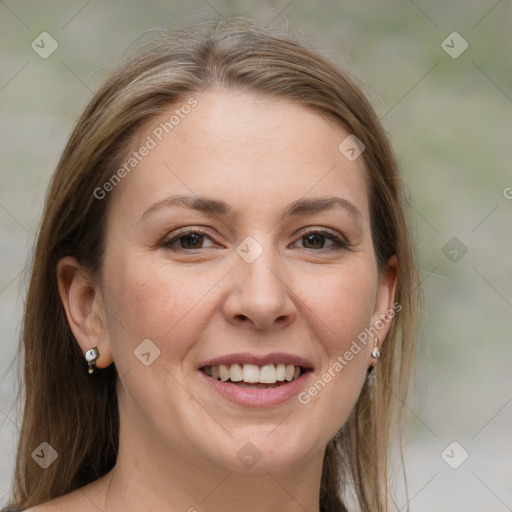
(260, 360)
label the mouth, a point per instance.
(255, 376)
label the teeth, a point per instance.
(253, 374)
(223, 372)
(268, 374)
(281, 372)
(235, 373)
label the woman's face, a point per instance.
(264, 279)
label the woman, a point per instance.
(222, 307)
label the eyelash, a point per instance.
(339, 243)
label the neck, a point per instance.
(147, 477)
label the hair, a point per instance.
(78, 414)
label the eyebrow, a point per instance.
(221, 208)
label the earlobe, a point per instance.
(83, 304)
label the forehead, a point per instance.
(255, 153)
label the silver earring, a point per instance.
(91, 356)
(376, 353)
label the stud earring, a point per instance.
(376, 353)
(91, 356)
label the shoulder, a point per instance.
(68, 503)
(89, 498)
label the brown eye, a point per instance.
(316, 240)
(186, 240)
(191, 241)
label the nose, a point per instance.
(261, 293)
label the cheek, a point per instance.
(343, 302)
(341, 307)
(149, 300)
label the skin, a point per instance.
(179, 439)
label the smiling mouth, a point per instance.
(255, 376)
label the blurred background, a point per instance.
(439, 74)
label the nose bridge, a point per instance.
(262, 293)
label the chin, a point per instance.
(263, 454)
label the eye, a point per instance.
(190, 239)
(187, 239)
(316, 238)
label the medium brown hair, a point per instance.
(78, 415)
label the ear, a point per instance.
(384, 310)
(83, 303)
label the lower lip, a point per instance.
(253, 397)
